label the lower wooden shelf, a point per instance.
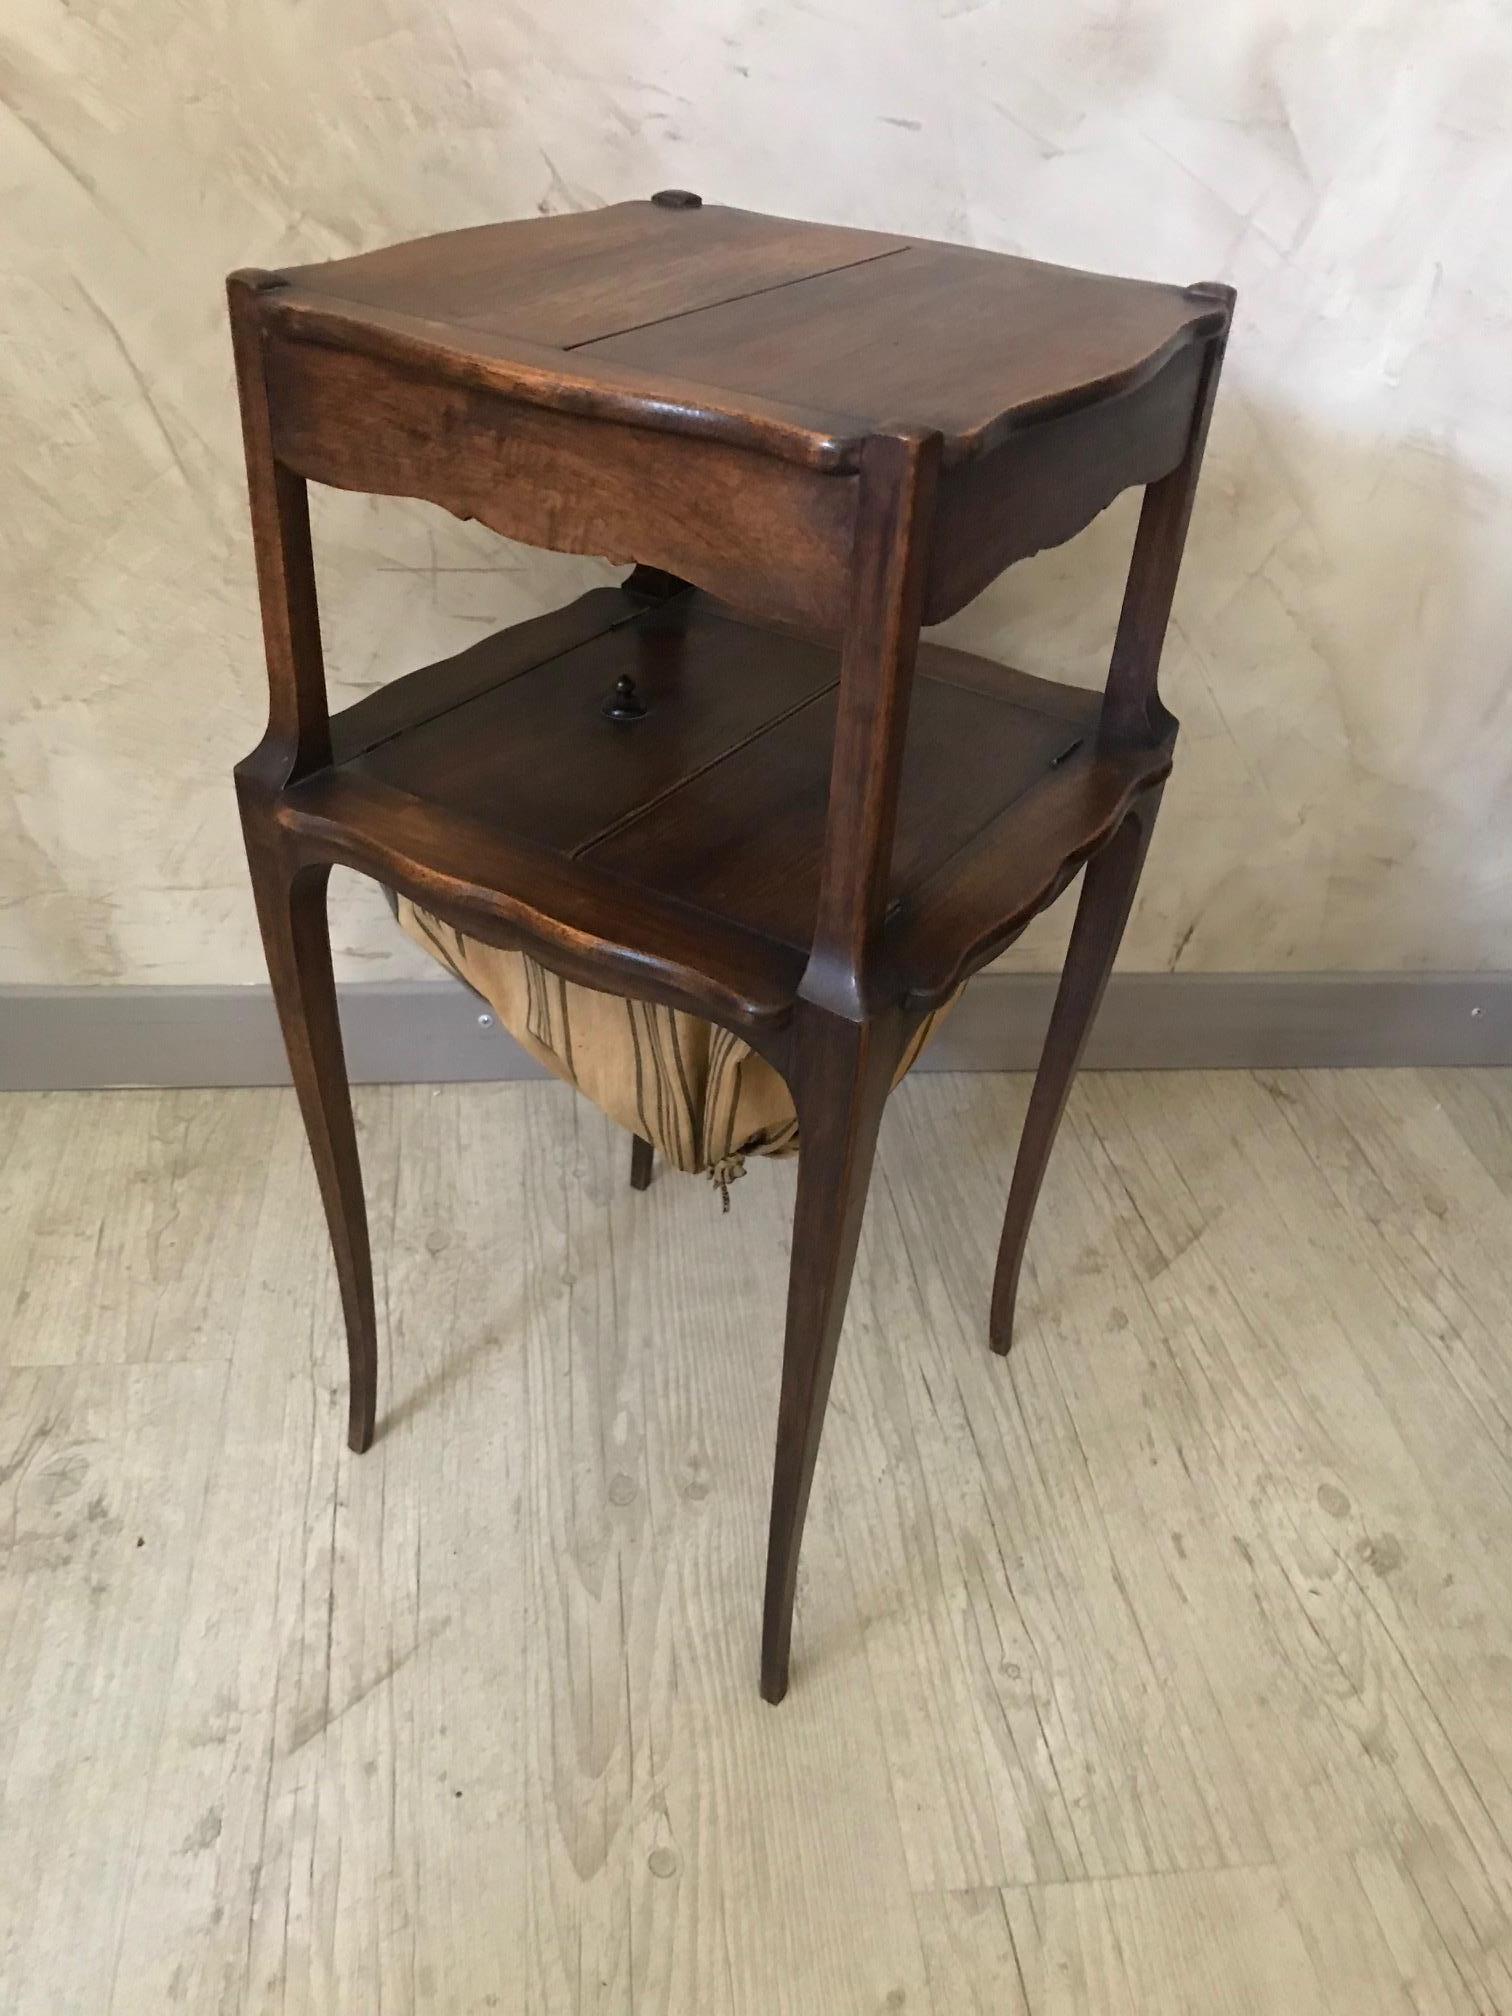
(686, 844)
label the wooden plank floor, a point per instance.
(1166, 1668)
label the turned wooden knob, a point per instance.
(677, 199)
(624, 703)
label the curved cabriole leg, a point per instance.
(843, 1073)
(642, 1156)
(1107, 895)
(291, 908)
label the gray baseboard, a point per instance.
(428, 1032)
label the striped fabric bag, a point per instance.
(700, 1095)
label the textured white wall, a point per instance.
(1341, 651)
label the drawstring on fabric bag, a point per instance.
(727, 1170)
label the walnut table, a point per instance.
(739, 783)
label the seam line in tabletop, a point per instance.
(536, 374)
(638, 812)
(746, 294)
(467, 699)
(305, 801)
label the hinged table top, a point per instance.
(802, 339)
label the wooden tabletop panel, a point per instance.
(864, 329)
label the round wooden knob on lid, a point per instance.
(625, 702)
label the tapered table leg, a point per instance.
(1109, 883)
(844, 1073)
(291, 908)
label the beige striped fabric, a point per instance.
(700, 1095)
